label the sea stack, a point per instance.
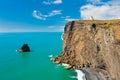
(24, 48)
(94, 45)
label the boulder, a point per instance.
(24, 48)
(69, 67)
(52, 59)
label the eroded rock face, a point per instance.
(93, 44)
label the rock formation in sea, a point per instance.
(24, 48)
(94, 45)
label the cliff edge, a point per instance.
(94, 44)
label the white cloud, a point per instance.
(108, 10)
(56, 28)
(114, 2)
(68, 18)
(29, 28)
(51, 27)
(41, 16)
(57, 2)
(46, 2)
(55, 12)
(94, 1)
(20, 28)
(49, 2)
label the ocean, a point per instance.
(34, 65)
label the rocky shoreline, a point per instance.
(93, 46)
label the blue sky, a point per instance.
(52, 15)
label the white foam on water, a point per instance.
(73, 77)
(57, 66)
(62, 36)
(63, 64)
(50, 55)
(16, 50)
(80, 75)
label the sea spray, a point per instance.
(65, 65)
(50, 56)
(62, 36)
(80, 75)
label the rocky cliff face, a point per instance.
(93, 44)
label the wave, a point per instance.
(50, 55)
(80, 75)
(63, 64)
(62, 36)
(73, 77)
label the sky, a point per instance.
(52, 15)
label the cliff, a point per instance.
(94, 45)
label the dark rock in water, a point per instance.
(24, 48)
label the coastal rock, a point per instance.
(69, 67)
(55, 60)
(92, 75)
(52, 59)
(94, 44)
(24, 48)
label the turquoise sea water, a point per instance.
(34, 65)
